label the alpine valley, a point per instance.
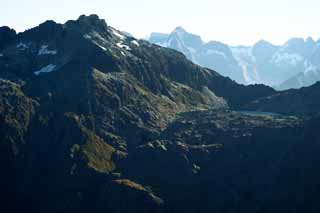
(94, 120)
(295, 64)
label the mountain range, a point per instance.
(292, 65)
(94, 120)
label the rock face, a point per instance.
(292, 65)
(93, 120)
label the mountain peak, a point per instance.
(92, 19)
(179, 29)
(295, 41)
(310, 40)
(263, 42)
(88, 23)
(6, 35)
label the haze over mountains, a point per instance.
(292, 65)
(94, 120)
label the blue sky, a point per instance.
(231, 21)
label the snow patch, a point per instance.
(46, 69)
(97, 39)
(87, 36)
(163, 147)
(246, 61)
(244, 53)
(288, 58)
(98, 36)
(44, 51)
(22, 46)
(135, 43)
(309, 67)
(123, 46)
(216, 52)
(245, 72)
(120, 36)
(101, 47)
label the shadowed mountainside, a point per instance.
(94, 120)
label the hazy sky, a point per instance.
(231, 21)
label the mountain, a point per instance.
(93, 120)
(293, 101)
(310, 73)
(292, 65)
(214, 55)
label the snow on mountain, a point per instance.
(46, 69)
(44, 51)
(22, 46)
(243, 52)
(135, 43)
(309, 76)
(214, 55)
(211, 52)
(261, 63)
(310, 71)
(116, 33)
(287, 58)
(246, 60)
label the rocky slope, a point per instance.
(92, 119)
(294, 101)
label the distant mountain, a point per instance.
(292, 65)
(214, 55)
(310, 72)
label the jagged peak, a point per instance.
(44, 25)
(91, 19)
(45, 31)
(179, 29)
(6, 29)
(294, 41)
(48, 23)
(6, 35)
(88, 23)
(180, 33)
(263, 42)
(310, 40)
